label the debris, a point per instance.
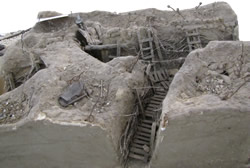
(72, 93)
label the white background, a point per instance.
(22, 14)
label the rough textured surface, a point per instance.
(43, 144)
(82, 133)
(37, 98)
(203, 127)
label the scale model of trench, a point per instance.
(134, 89)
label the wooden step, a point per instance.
(143, 129)
(146, 40)
(192, 34)
(136, 145)
(165, 85)
(138, 151)
(142, 138)
(132, 155)
(149, 115)
(194, 42)
(146, 49)
(154, 98)
(137, 141)
(154, 109)
(144, 134)
(155, 102)
(145, 125)
(147, 121)
(155, 106)
(161, 93)
(159, 97)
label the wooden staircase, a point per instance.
(142, 144)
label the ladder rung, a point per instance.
(153, 105)
(161, 93)
(142, 138)
(146, 40)
(155, 102)
(143, 129)
(145, 125)
(194, 42)
(165, 85)
(144, 134)
(193, 34)
(149, 115)
(137, 145)
(151, 109)
(147, 121)
(136, 156)
(141, 142)
(138, 151)
(157, 98)
(145, 49)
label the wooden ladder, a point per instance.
(193, 39)
(146, 46)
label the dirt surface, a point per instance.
(206, 113)
(39, 65)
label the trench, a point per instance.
(140, 134)
(138, 138)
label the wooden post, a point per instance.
(140, 103)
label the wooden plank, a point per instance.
(157, 45)
(153, 106)
(193, 34)
(161, 76)
(165, 85)
(147, 121)
(151, 109)
(145, 49)
(143, 129)
(146, 40)
(146, 57)
(155, 102)
(140, 103)
(137, 145)
(145, 125)
(157, 99)
(10, 80)
(103, 47)
(140, 43)
(137, 141)
(131, 155)
(118, 52)
(152, 138)
(156, 78)
(194, 42)
(142, 138)
(143, 134)
(149, 115)
(138, 151)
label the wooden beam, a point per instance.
(103, 47)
